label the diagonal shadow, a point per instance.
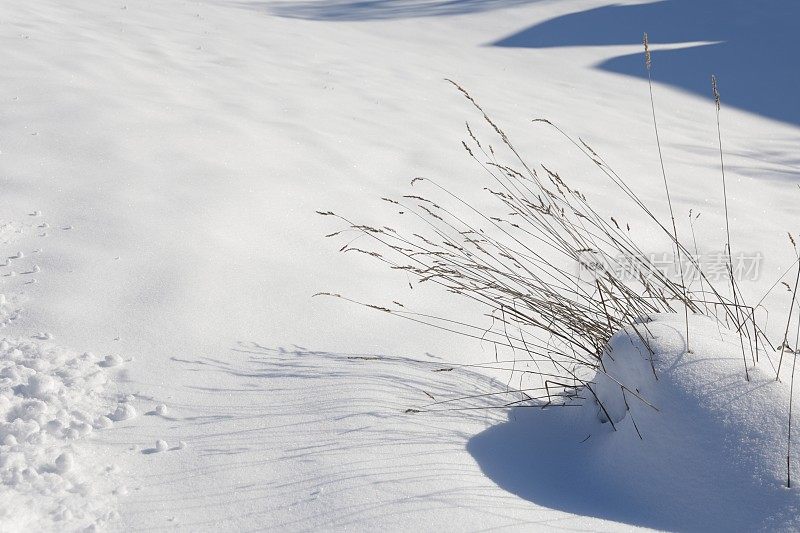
(296, 430)
(290, 433)
(547, 457)
(750, 46)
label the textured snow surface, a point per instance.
(55, 473)
(51, 400)
(8, 311)
(161, 162)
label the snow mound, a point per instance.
(51, 399)
(699, 449)
(701, 428)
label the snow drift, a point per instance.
(699, 448)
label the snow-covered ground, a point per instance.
(165, 365)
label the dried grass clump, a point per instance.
(518, 261)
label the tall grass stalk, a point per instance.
(648, 65)
(789, 317)
(739, 323)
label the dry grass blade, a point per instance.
(554, 276)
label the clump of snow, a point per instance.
(103, 422)
(161, 445)
(50, 399)
(65, 462)
(161, 409)
(124, 411)
(112, 360)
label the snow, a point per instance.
(124, 411)
(111, 360)
(51, 400)
(716, 445)
(161, 166)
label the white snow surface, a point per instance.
(51, 399)
(161, 164)
(711, 440)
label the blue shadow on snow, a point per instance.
(547, 458)
(750, 46)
